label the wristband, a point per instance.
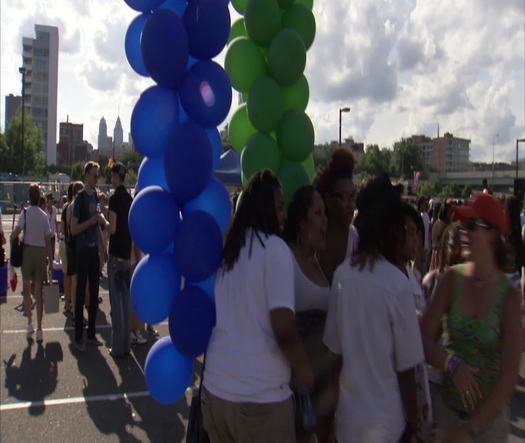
(453, 364)
(447, 361)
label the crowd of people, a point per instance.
(350, 316)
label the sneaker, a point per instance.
(30, 330)
(94, 342)
(39, 336)
(80, 346)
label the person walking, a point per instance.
(34, 223)
(255, 345)
(85, 221)
(479, 311)
(119, 267)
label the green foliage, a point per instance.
(132, 160)
(104, 172)
(322, 155)
(406, 158)
(131, 178)
(13, 158)
(467, 192)
(77, 171)
(374, 161)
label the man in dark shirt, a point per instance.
(119, 267)
(85, 226)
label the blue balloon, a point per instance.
(167, 372)
(214, 200)
(191, 321)
(132, 44)
(154, 286)
(153, 216)
(154, 117)
(206, 93)
(198, 246)
(216, 144)
(143, 5)
(188, 161)
(164, 46)
(183, 117)
(151, 173)
(208, 26)
(177, 6)
(207, 285)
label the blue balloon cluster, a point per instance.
(180, 211)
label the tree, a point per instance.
(453, 190)
(322, 155)
(30, 159)
(375, 161)
(132, 160)
(104, 171)
(406, 159)
(77, 171)
(131, 178)
(467, 192)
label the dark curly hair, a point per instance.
(256, 210)
(341, 166)
(297, 212)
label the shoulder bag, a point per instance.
(17, 248)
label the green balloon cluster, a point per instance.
(265, 61)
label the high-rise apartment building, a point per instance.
(12, 103)
(40, 60)
(71, 141)
(118, 133)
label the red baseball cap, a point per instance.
(485, 207)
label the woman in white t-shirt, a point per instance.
(336, 187)
(372, 326)
(255, 344)
(305, 233)
(37, 248)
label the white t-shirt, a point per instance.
(52, 216)
(308, 295)
(372, 323)
(243, 361)
(36, 226)
(416, 288)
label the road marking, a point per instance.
(63, 328)
(71, 400)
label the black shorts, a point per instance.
(71, 260)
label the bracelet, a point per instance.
(447, 361)
(453, 365)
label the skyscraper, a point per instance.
(40, 59)
(118, 134)
(12, 103)
(102, 134)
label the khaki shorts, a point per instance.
(34, 263)
(229, 422)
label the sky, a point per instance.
(402, 66)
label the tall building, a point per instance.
(40, 60)
(12, 103)
(118, 134)
(102, 134)
(71, 137)
(426, 148)
(450, 154)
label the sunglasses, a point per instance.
(472, 224)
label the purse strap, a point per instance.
(202, 374)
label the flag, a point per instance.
(111, 162)
(416, 178)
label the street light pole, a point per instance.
(22, 71)
(493, 141)
(341, 110)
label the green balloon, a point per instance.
(301, 19)
(287, 57)
(265, 104)
(240, 129)
(239, 5)
(292, 176)
(296, 96)
(237, 30)
(309, 167)
(262, 19)
(261, 151)
(295, 135)
(308, 3)
(244, 63)
(285, 4)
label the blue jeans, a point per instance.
(119, 274)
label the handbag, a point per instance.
(305, 420)
(17, 248)
(195, 432)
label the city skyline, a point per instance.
(402, 69)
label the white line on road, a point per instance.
(71, 400)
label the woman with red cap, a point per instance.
(482, 326)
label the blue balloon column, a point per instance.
(180, 212)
